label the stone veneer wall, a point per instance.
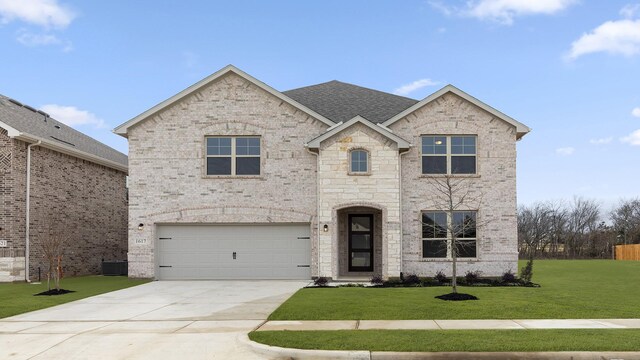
(496, 180)
(85, 200)
(339, 190)
(168, 182)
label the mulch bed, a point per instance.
(54, 292)
(456, 297)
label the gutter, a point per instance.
(27, 210)
(71, 151)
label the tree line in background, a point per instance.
(576, 229)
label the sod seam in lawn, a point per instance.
(455, 340)
(18, 298)
(570, 289)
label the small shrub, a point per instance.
(321, 281)
(441, 277)
(411, 279)
(527, 272)
(351, 285)
(471, 277)
(377, 280)
(393, 283)
(509, 277)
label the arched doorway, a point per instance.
(360, 241)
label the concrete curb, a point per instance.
(557, 355)
(274, 352)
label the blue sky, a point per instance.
(569, 69)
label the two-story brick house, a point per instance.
(232, 179)
(55, 180)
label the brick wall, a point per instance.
(167, 168)
(84, 201)
(496, 164)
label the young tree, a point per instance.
(459, 200)
(52, 242)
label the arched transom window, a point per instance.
(359, 161)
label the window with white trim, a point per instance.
(437, 229)
(449, 155)
(233, 155)
(359, 162)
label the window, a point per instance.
(233, 155)
(449, 155)
(359, 161)
(436, 234)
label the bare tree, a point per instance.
(626, 220)
(459, 199)
(583, 218)
(535, 225)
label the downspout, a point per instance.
(401, 208)
(317, 207)
(27, 210)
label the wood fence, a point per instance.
(628, 252)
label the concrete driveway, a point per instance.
(158, 320)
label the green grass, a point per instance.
(17, 298)
(571, 289)
(455, 340)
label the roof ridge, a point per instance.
(353, 85)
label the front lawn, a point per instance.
(18, 298)
(455, 340)
(571, 289)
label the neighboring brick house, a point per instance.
(232, 179)
(77, 187)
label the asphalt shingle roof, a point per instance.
(31, 121)
(340, 101)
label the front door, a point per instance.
(360, 242)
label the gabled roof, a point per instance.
(521, 129)
(315, 143)
(28, 124)
(340, 101)
(123, 128)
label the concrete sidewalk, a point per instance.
(451, 324)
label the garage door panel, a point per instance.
(206, 251)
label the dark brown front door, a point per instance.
(360, 242)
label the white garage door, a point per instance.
(281, 251)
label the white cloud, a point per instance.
(630, 11)
(411, 87)
(636, 112)
(46, 13)
(613, 37)
(504, 11)
(72, 116)
(565, 151)
(632, 139)
(30, 39)
(601, 141)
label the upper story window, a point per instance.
(233, 155)
(359, 161)
(444, 155)
(437, 234)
